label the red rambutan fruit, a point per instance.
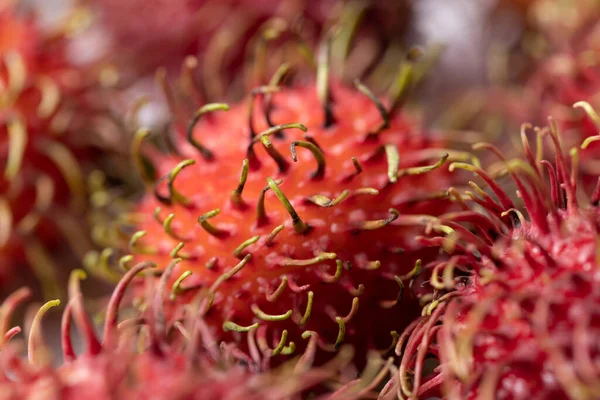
(149, 356)
(313, 242)
(511, 313)
(44, 129)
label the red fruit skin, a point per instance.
(371, 259)
(513, 308)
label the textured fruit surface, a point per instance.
(512, 310)
(534, 339)
(321, 244)
(148, 356)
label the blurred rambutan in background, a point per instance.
(42, 143)
(565, 47)
(221, 35)
(552, 65)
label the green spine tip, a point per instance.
(278, 291)
(273, 235)
(385, 115)
(589, 110)
(206, 153)
(145, 168)
(36, 351)
(277, 350)
(229, 274)
(324, 201)
(380, 223)
(238, 252)
(299, 226)
(236, 195)
(393, 160)
(174, 196)
(323, 90)
(316, 152)
(232, 326)
(210, 228)
(270, 317)
(261, 214)
(17, 142)
(260, 91)
(177, 289)
(424, 169)
(308, 311)
(341, 332)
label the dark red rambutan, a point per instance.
(313, 242)
(511, 313)
(141, 28)
(150, 356)
(223, 35)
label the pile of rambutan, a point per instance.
(303, 234)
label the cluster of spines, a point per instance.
(299, 226)
(473, 258)
(151, 333)
(32, 135)
(19, 140)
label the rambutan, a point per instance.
(222, 35)
(511, 314)
(149, 356)
(43, 107)
(315, 242)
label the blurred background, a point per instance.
(470, 31)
